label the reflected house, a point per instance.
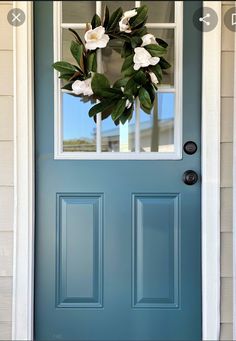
(156, 131)
(151, 139)
(156, 139)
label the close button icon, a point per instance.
(16, 17)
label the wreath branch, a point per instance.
(142, 69)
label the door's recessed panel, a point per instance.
(155, 250)
(79, 250)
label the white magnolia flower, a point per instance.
(96, 38)
(142, 58)
(82, 87)
(149, 39)
(153, 77)
(124, 22)
(128, 104)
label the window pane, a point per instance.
(118, 138)
(157, 129)
(112, 61)
(113, 5)
(78, 11)
(160, 11)
(79, 130)
(67, 37)
(168, 36)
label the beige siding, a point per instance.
(6, 170)
(227, 92)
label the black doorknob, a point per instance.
(190, 147)
(190, 177)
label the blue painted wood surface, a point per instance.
(118, 243)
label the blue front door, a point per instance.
(118, 242)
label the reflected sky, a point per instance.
(77, 124)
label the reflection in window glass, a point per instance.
(160, 11)
(118, 138)
(113, 5)
(67, 38)
(112, 61)
(79, 130)
(157, 129)
(110, 136)
(78, 11)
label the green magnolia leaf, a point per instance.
(114, 19)
(124, 118)
(76, 51)
(140, 77)
(126, 50)
(162, 42)
(64, 67)
(145, 99)
(119, 109)
(139, 31)
(77, 37)
(68, 86)
(156, 69)
(155, 50)
(92, 62)
(77, 75)
(128, 63)
(127, 115)
(164, 64)
(96, 21)
(120, 83)
(100, 107)
(104, 114)
(151, 90)
(136, 41)
(129, 72)
(110, 93)
(140, 18)
(131, 88)
(124, 37)
(106, 17)
(66, 76)
(99, 83)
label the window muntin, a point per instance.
(158, 136)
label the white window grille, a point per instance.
(167, 152)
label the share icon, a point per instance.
(202, 19)
(205, 19)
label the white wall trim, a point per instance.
(23, 263)
(23, 281)
(211, 85)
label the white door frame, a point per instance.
(23, 276)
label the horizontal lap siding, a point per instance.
(6, 170)
(227, 93)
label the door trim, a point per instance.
(211, 105)
(23, 262)
(23, 249)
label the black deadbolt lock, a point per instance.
(190, 147)
(190, 177)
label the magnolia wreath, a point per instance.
(142, 69)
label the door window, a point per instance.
(155, 136)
